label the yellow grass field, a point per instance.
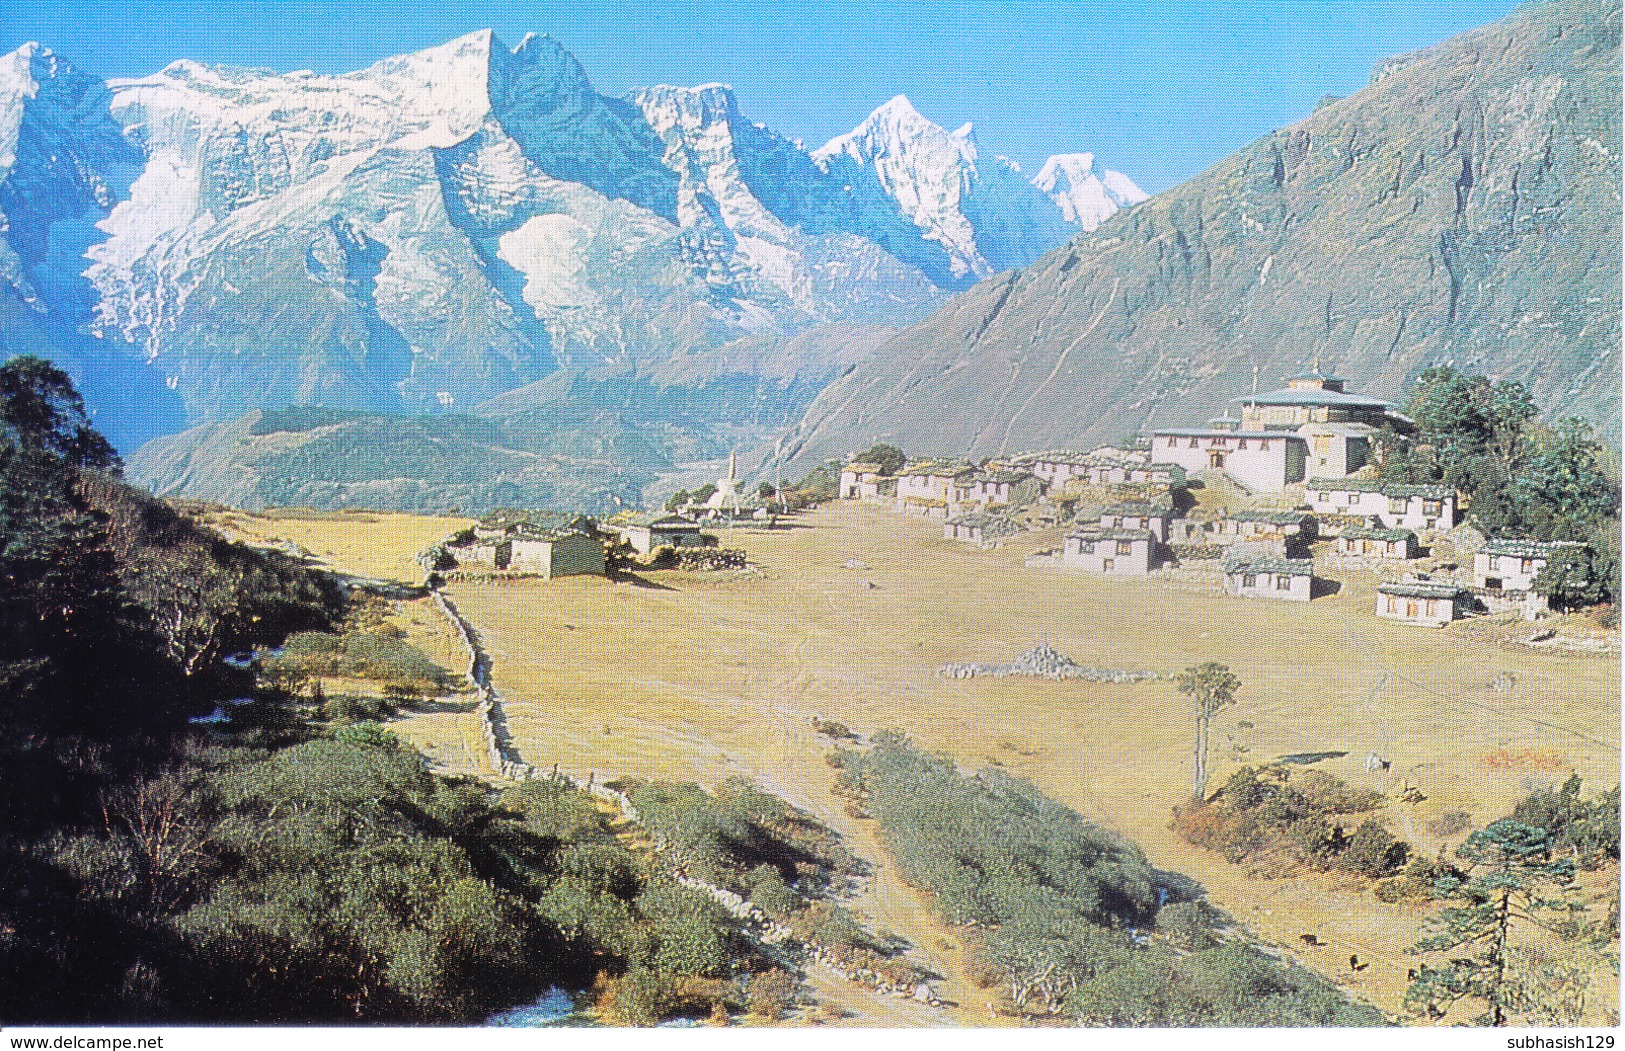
(375, 544)
(698, 677)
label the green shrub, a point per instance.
(381, 654)
(772, 994)
(1372, 851)
(1230, 985)
(1589, 829)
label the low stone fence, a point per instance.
(1197, 581)
(499, 746)
(506, 759)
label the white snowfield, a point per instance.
(1087, 193)
(476, 195)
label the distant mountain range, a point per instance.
(445, 227)
(1463, 208)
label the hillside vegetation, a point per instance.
(276, 861)
(1059, 907)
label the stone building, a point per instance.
(1126, 552)
(1313, 425)
(1426, 602)
(980, 528)
(1138, 515)
(648, 532)
(1254, 576)
(1397, 505)
(1374, 542)
(555, 553)
(1507, 565)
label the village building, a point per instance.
(554, 553)
(488, 553)
(986, 489)
(927, 487)
(1107, 472)
(501, 523)
(1103, 468)
(865, 481)
(651, 531)
(1397, 505)
(1264, 576)
(1260, 462)
(1312, 425)
(1054, 468)
(1426, 602)
(1373, 542)
(1505, 565)
(980, 528)
(1187, 531)
(1138, 516)
(1247, 524)
(1128, 552)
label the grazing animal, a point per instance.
(1310, 939)
(1411, 975)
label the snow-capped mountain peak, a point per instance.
(1086, 193)
(445, 225)
(947, 190)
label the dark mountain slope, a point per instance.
(1464, 207)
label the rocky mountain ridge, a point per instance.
(1464, 208)
(446, 226)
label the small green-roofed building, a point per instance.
(1262, 576)
(1397, 505)
(1428, 603)
(1376, 542)
(1123, 552)
(503, 521)
(980, 527)
(648, 531)
(1246, 524)
(1506, 564)
(1138, 515)
(997, 488)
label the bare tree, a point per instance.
(1213, 687)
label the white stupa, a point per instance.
(727, 495)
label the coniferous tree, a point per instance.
(1511, 882)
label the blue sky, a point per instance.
(1158, 89)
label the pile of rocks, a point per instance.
(711, 558)
(1043, 662)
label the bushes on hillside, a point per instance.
(1230, 985)
(745, 840)
(381, 654)
(1586, 829)
(1058, 908)
(1280, 820)
(338, 880)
